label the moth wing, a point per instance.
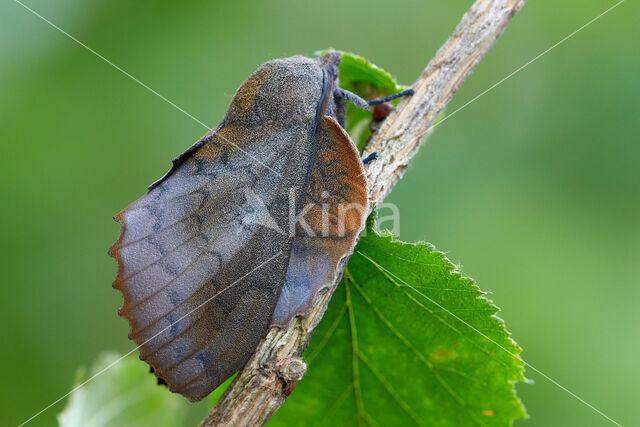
(337, 202)
(199, 266)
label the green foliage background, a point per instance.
(535, 187)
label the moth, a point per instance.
(247, 226)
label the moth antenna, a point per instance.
(407, 92)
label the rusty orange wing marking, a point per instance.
(186, 253)
(336, 203)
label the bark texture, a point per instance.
(269, 377)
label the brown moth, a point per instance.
(245, 229)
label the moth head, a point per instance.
(331, 103)
(330, 62)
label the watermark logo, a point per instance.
(328, 217)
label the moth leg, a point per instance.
(359, 102)
(353, 98)
(407, 92)
(341, 114)
(370, 157)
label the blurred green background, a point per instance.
(534, 188)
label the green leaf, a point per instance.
(360, 76)
(368, 81)
(125, 394)
(407, 340)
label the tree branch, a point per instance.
(268, 378)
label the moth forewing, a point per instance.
(202, 273)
